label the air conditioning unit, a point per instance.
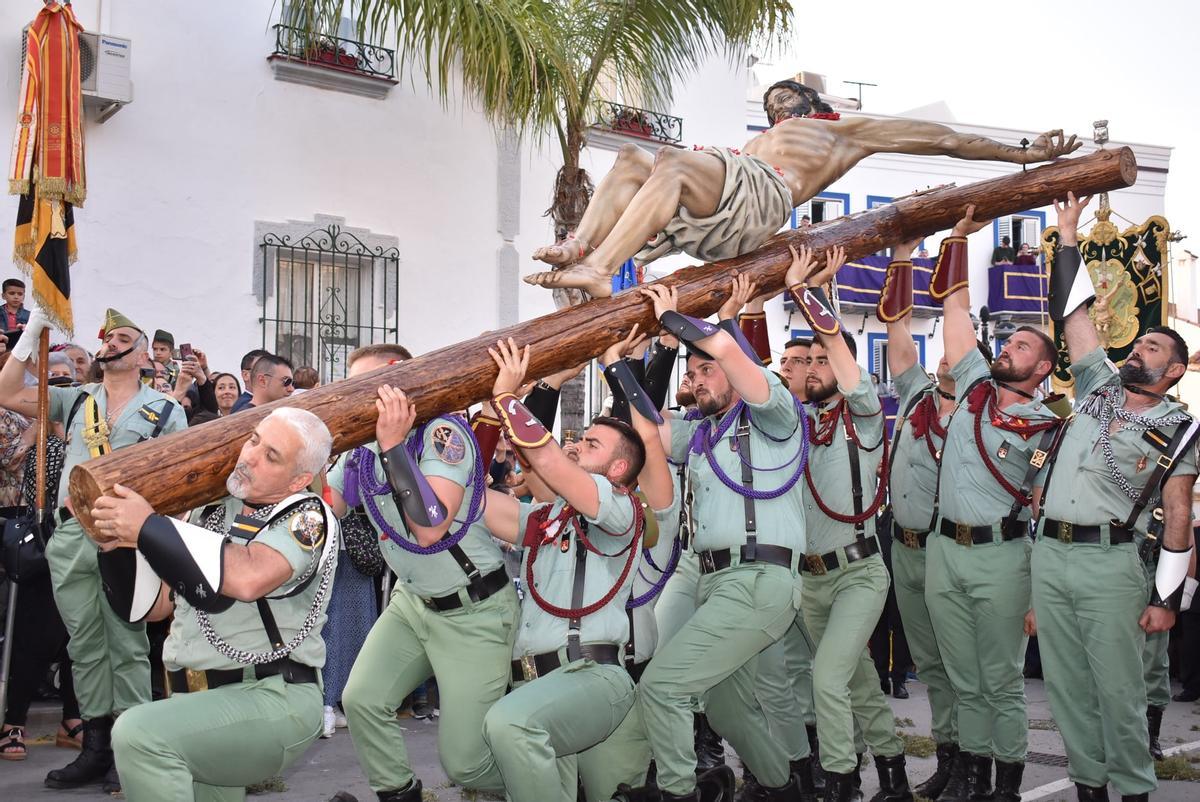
(104, 73)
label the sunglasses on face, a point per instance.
(286, 381)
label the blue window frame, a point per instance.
(843, 197)
(875, 337)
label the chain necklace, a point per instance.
(216, 523)
(1102, 405)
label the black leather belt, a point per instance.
(1067, 532)
(966, 535)
(477, 591)
(532, 666)
(818, 564)
(913, 538)
(291, 671)
(719, 559)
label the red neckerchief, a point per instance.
(821, 433)
(823, 115)
(983, 397)
(925, 423)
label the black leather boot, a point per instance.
(805, 770)
(751, 790)
(112, 780)
(840, 788)
(979, 778)
(410, 794)
(933, 787)
(893, 781)
(643, 793)
(970, 778)
(814, 748)
(1154, 716)
(94, 760)
(710, 752)
(789, 792)
(1088, 793)
(716, 785)
(858, 772)
(1008, 781)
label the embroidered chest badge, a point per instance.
(450, 447)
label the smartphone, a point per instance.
(186, 352)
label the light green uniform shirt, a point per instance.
(645, 625)
(969, 493)
(718, 513)
(914, 471)
(241, 626)
(133, 425)
(829, 467)
(449, 452)
(1083, 490)
(554, 575)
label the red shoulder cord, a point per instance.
(983, 398)
(924, 424)
(824, 437)
(535, 544)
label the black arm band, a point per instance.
(542, 402)
(688, 329)
(658, 374)
(188, 558)
(633, 391)
(411, 489)
(129, 583)
(1070, 283)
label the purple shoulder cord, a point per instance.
(366, 486)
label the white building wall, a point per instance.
(214, 143)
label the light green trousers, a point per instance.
(841, 609)
(1087, 599)
(978, 596)
(110, 657)
(1157, 665)
(541, 733)
(209, 745)
(908, 576)
(785, 689)
(743, 610)
(678, 600)
(469, 650)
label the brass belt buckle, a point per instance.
(196, 680)
(528, 668)
(910, 539)
(1066, 531)
(962, 535)
(815, 564)
(1039, 458)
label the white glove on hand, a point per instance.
(27, 347)
(1189, 590)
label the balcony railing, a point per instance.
(640, 122)
(334, 52)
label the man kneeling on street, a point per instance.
(248, 581)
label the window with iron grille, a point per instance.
(326, 292)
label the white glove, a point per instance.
(1189, 590)
(27, 347)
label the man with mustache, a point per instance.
(248, 581)
(110, 655)
(1124, 472)
(845, 579)
(977, 563)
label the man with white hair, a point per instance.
(110, 656)
(248, 580)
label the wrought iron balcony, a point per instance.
(334, 52)
(640, 122)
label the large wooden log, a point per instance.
(187, 469)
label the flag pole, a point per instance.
(43, 423)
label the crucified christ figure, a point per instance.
(717, 203)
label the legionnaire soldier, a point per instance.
(248, 580)
(1126, 466)
(748, 532)
(845, 580)
(570, 689)
(453, 613)
(977, 564)
(110, 655)
(920, 432)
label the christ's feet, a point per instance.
(561, 254)
(595, 281)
